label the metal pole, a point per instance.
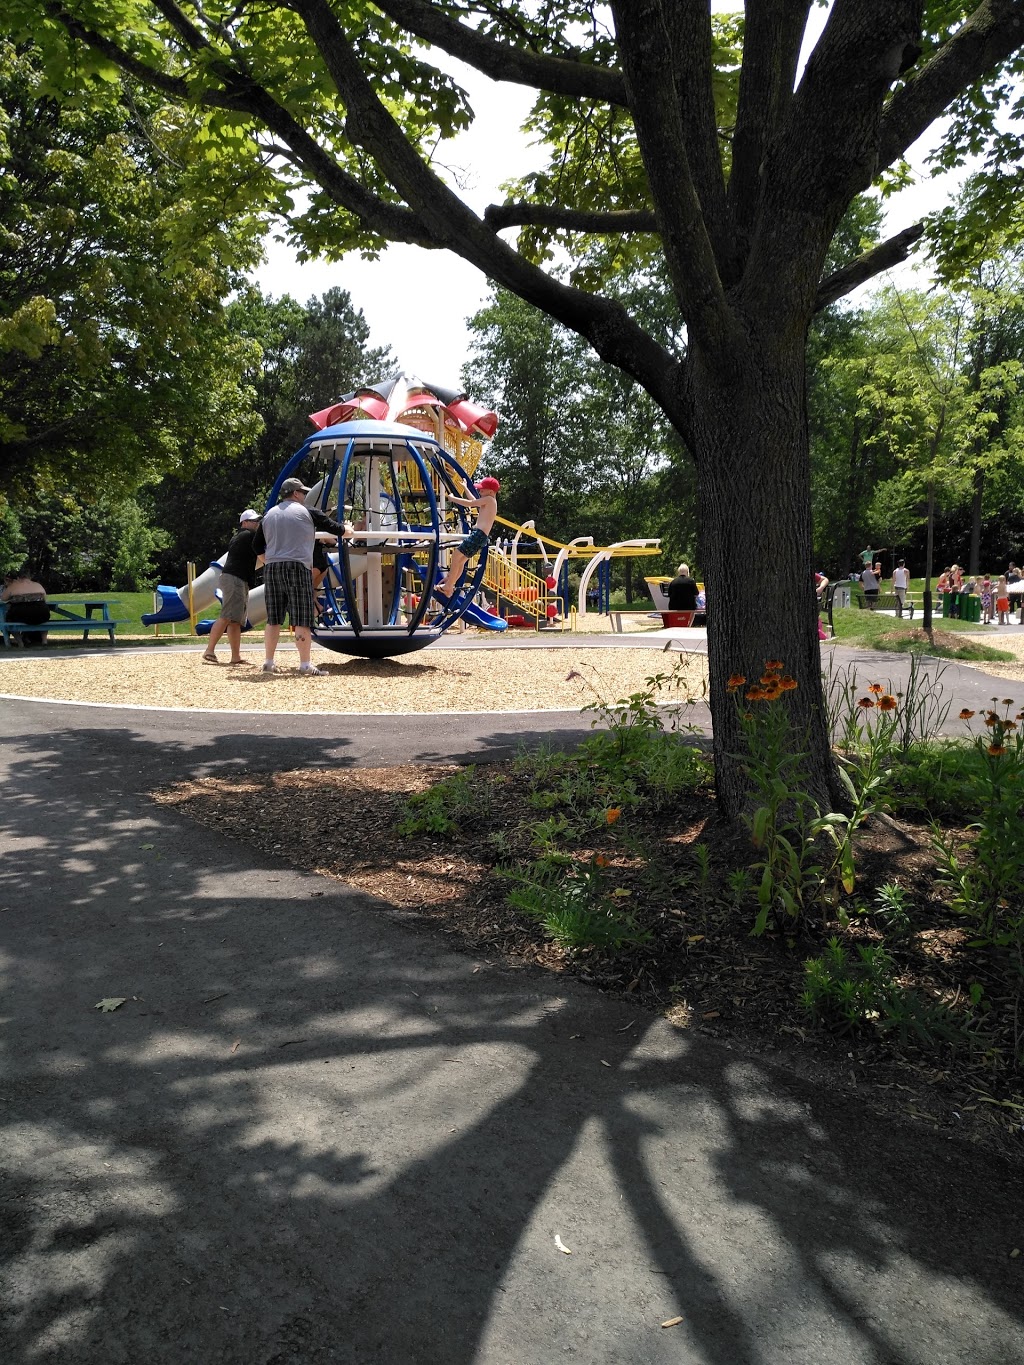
(928, 558)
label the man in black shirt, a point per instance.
(682, 591)
(237, 576)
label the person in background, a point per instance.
(26, 604)
(986, 601)
(900, 584)
(869, 582)
(1003, 601)
(1013, 576)
(682, 591)
(237, 577)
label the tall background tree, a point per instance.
(672, 132)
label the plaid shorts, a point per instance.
(288, 591)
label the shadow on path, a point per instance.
(311, 1135)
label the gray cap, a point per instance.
(291, 486)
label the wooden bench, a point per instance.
(65, 616)
(885, 601)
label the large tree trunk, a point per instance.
(751, 449)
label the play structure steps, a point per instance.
(519, 587)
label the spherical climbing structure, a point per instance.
(386, 460)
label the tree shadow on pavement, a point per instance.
(310, 1135)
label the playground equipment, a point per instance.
(387, 458)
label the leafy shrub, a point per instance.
(847, 994)
(443, 808)
(572, 904)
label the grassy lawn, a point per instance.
(875, 630)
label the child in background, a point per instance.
(986, 601)
(1003, 601)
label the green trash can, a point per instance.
(975, 607)
(945, 596)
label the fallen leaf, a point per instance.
(147, 846)
(712, 1014)
(604, 1063)
(561, 1245)
(574, 1035)
(621, 892)
(671, 1322)
(235, 1045)
(1014, 1253)
(111, 1003)
(695, 938)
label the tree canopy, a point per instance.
(118, 360)
(674, 135)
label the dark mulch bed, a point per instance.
(700, 966)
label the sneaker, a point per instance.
(311, 671)
(269, 667)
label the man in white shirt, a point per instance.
(900, 584)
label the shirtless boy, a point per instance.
(487, 505)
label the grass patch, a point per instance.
(875, 630)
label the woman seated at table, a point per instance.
(25, 600)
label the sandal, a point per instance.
(210, 659)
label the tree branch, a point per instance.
(691, 43)
(603, 322)
(773, 33)
(498, 216)
(651, 82)
(240, 93)
(992, 33)
(505, 61)
(873, 262)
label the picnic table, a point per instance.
(93, 614)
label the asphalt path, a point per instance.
(311, 1133)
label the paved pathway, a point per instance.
(313, 1134)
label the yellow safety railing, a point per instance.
(519, 586)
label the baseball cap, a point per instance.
(291, 486)
(489, 484)
(250, 514)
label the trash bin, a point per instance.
(945, 596)
(975, 607)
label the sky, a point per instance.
(425, 326)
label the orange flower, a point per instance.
(866, 703)
(887, 702)
(991, 719)
(755, 693)
(602, 860)
(997, 750)
(735, 680)
(965, 714)
(1007, 701)
(773, 665)
(1009, 725)
(875, 687)
(788, 684)
(772, 693)
(612, 814)
(767, 680)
